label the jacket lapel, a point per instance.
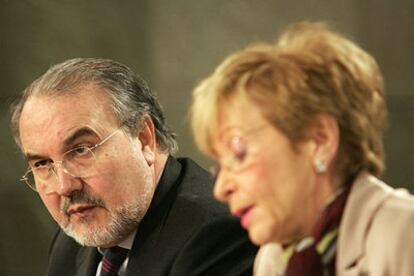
(87, 261)
(366, 197)
(146, 239)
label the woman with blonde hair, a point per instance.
(296, 128)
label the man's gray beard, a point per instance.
(124, 220)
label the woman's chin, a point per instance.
(260, 235)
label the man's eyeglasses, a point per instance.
(77, 162)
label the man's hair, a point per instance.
(310, 70)
(131, 97)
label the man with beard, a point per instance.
(99, 156)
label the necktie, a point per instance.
(112, 260)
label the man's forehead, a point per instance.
(57, 118)
(87, 100)
(34, 151)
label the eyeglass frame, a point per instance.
(25, 179)
(233, 160)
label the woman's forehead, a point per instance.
(238, 114)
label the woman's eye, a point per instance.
(238, 149)
(240, 154)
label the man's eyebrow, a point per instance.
(29, 157)
(85, 131)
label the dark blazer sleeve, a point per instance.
(220, 247)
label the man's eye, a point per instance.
(41, 164)
(80, 151)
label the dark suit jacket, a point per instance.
(185, 232)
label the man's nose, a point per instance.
(65, 182)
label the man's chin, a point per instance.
(103, 228)
(88, 234)
(97, 235)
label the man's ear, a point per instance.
(325, 134)
(148, 139)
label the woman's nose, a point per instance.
(224, 186)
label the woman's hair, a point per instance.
(310, 70)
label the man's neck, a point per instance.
(159, 164)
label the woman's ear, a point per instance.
(148, 140)
(325, 134)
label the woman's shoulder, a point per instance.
(375, 234)
(375, 206)
(384, 205)
(394, 219)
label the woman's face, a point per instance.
(265, 181)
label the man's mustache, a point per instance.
(80, 197)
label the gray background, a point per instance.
(173, 44)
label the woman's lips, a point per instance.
(245, 218)
(245, 215)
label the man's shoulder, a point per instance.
(62, 254)
(195, 192)
(192, 171)
(184, 204)
(186, 224)
(213, 243)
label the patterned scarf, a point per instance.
(316, 255)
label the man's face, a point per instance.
(103, 208)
